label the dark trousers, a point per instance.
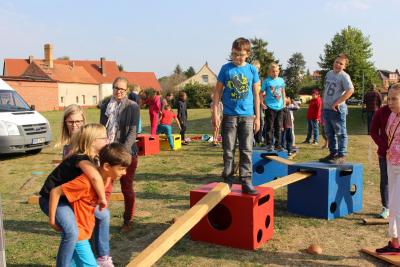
(183, 129)
(128, 191)
(287, 139)
(384, 182)
(370, 114)
(273, 124)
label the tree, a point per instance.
(178, 70)
(359, 51)
(189, 72)
(294, 74)
(64, 58)
(259, 52)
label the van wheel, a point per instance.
(34, 151)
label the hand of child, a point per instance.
(263, 106)
(335, 106)
(256, 125)
(54, 226)
(102, 204)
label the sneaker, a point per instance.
(270, 148)
(279, 148)
(327, 159)
(127, 227)
(338, 160)
(384, 214)
(314, 143)
(388, 250)
(290, 153)
(105, 261)
(306, 142)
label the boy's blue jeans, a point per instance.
(312, 128)
(167, 130)
(240, 127)
(83, 255)
(65, 218)
(335, 130)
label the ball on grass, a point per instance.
(314, 249)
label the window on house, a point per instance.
(205, 78)
(83, 100)
(94, 99)
(77, 99)
(62, 100)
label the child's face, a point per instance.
(339, 65)
(100, 142)
(116, 172)
(393, 100)
(239, 57)
(274, 72)
(74, 122)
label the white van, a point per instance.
(22, 129)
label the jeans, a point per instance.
(335, 130)
(167, 130)
(83, 255)
(370, 115)
(287, 139)
(312, 128)
(65, 218)
(128, 191)
(240, 127)
(101, 234)
(384, 182)
(273, 124)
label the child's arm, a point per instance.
(55, 195)
(262, 100)
(217, 97)
(343, 98)
(177, 122)
(256, 94)
(95, 179)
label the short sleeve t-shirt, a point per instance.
(274, 89)
(335, 85)
(83, 200)
(167, 117)
(238, 82)
(66, 171)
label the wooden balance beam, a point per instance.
(392, 259)
(279, 159)
(183, 224)
(113, 197)
(289, 179)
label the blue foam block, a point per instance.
(266, 170)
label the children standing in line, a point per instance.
(274, 88)
(288, 125)
(182, 115)
(313, 118)
(165, 125)
(114, 159)
(216, 128)
(239, 85)
(338, 88)
(85, 147)
(393, 169)
(378, 134)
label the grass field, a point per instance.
(163, 183)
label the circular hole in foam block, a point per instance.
(259, 235)
(333, 207)
(353, 189)
(260, 169)
(220, 217)
(267, 221)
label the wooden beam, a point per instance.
(279, 159)
(393, 259)
(289, 179)
(113, 197)
(182, 225)
(369, 221)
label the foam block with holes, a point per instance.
(333, 191)
(148, 145)
(266, 170)
(239, 220)
(164, 145)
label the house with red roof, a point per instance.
(52, 84)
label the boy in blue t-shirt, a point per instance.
(239, 85)
(274, 89)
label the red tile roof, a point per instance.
(143, 79)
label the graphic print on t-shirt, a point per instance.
(276, 92)
(238, 85)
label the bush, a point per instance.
(198, 95)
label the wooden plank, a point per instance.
(375, 221)
(279, 159)
(289, 179)
(113, 197)
(183, 224)
(393, 259)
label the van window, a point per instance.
(12, 101)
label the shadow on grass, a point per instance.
(27, 265)
(35, 227)
(188, 178)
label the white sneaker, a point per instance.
(105, 261)
(384, 214)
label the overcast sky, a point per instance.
(157, 35)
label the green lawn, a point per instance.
(163, 183)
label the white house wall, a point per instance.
(81, 94)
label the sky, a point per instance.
(157, 35)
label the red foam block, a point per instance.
(148, 145)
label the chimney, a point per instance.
(30, 59)
(103, 66)
(48, 55)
